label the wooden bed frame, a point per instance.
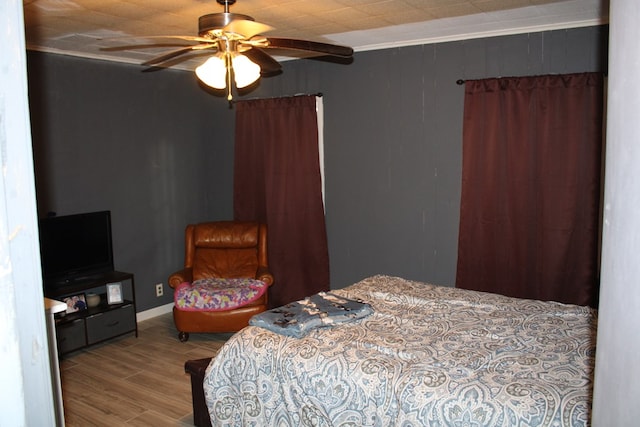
(196, 368)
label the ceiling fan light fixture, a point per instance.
(245, 71)
(213, 72)
(240, 50)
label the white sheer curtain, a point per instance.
(320, 115)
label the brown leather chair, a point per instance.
(223, 249)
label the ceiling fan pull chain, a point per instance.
(227, 60)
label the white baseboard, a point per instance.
(154, 312)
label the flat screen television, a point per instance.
(75, 247)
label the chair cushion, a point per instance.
(217, 294)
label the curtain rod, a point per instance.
(293, 96)
(461, 81)
(233, 101)
(318, 94)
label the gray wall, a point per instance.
(154, 148)
(393, 143)
(393, 148)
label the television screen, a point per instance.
(75, 247)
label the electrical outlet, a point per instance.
(159, 290)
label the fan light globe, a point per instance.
(245, 71)
(213, 72)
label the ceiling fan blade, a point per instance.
(309, 46)
(187, 38)
(268, 65)
(176, 60)
(141, 46)
(246, 28)
(176, 52)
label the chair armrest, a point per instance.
(181, 276)
(264, 275)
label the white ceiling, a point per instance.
(83, 27)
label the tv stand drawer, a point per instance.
(70, 336)
(109, 324)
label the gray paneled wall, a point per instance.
(393, 143)
(153, 148)
(158, 150)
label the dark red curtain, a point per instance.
(530, 207)
(277, 181)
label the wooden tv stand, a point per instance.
(83, 328)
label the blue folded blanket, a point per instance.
(320, 310)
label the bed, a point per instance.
(426, 356)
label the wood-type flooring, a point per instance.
(131, 381)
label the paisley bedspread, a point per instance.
(427, 356)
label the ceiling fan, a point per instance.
(239, 50)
